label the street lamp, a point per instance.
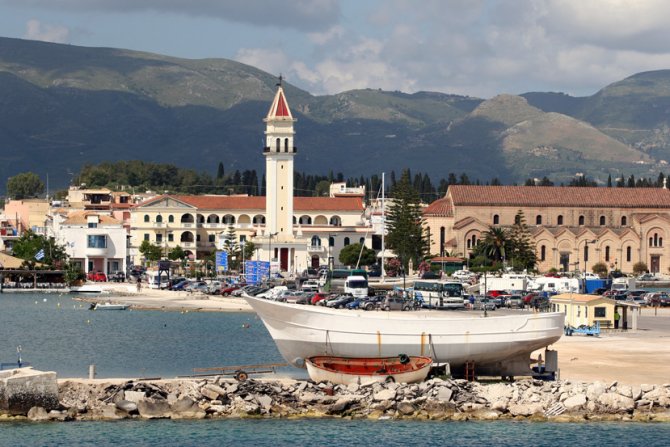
(270, 254)
(242, 244)
(586, 258)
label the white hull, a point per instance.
(499, 345)
(107, 306)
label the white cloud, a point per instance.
(36, 30)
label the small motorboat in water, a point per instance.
(109, 306)
(344, 371)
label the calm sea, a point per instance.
(62, 335)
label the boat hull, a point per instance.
(499, 345)
(319, 371)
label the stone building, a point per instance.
(572, 228)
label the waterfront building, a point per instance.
(293, 232)
(572, 228)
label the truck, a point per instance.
(356, 286)
(623, 284)
(507, 282)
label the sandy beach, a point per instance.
(630, 358)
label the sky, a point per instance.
(468, 47)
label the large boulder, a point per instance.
(616, 402)
(154, 408)
(575, 402)
(187, 408)
(24, 388)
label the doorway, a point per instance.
(315, 261)
(655, 264)
(565, 261)
(283, 259)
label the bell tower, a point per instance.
(279, 152)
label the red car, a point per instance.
(228, 289)
(318, 296)
(96, 276)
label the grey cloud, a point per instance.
(304, 15)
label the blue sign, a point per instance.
(256, 271)
(222, 260)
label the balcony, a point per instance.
(316, 249)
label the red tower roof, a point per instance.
(279, 108)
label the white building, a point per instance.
(93, 241)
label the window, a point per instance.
(624, 221)
(159, 238)
(159, 219)
(316, 241)
(211, 237)
(581, 220)
(97, 241)
(93, 225)
(362, 241)
(629, 253)
(278, 144)
(170, 237)
(543, 253)
(442, 234)
(474, 240)
(346, 241)
(331, 241)
(600, 312)
(607, 253)
(146, 218)
(197, 238)
(170, 218)
(146, 236)
(559, 220)
(496, 219)
(538, 220)
(336, 221)
(285, 144)
(602, 221)
(586, 252)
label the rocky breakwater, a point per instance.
(435, 399)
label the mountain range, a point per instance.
(62, 106)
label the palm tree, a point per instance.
(495, 243)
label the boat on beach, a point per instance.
(497, 345)
(109, 306)
(345, 371)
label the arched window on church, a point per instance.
(496, 219)
(559, 220)
(538, 220)
(581, 220)
(346, 241)
(624, 221)
(543, 253)
(607, 253)
(278, 144)
(629, 253)
(602, 221)
(285, 144)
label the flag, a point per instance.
(39, 255)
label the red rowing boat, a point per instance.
(343, 370)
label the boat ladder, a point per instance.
(557, 409)
(470, 370)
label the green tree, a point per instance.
(349, 255)
(495, 245)
(600, 269)
(640, 268)
(404, 222)
(521, 252)
(150, 251)
(31, 246)
(177, 254)
(323, 188)
(25, 185)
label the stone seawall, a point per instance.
(435, 399)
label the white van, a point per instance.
(152, 279)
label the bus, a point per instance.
(440, 294)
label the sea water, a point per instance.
(332, 432)
(62, 335)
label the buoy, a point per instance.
(45, 300)
(246, 325)
(88, 321)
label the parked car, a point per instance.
(228, 289)
(514, 301)
(394, 303)
(430, 275)
(484, 303)
(647, 277)
(318, 296)
(310, 285)
(661, 299)
(340, 301)
(96, 276)
(180, 285)
(310, 273)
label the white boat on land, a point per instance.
(498, 345)
(344, 371)
(87, 288)
(109, 306)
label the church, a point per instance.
(294, 233)
(571, 228)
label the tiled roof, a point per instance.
(81, 218)
(258, 203)
(578, 297)
(440, 207)
(569, 196)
